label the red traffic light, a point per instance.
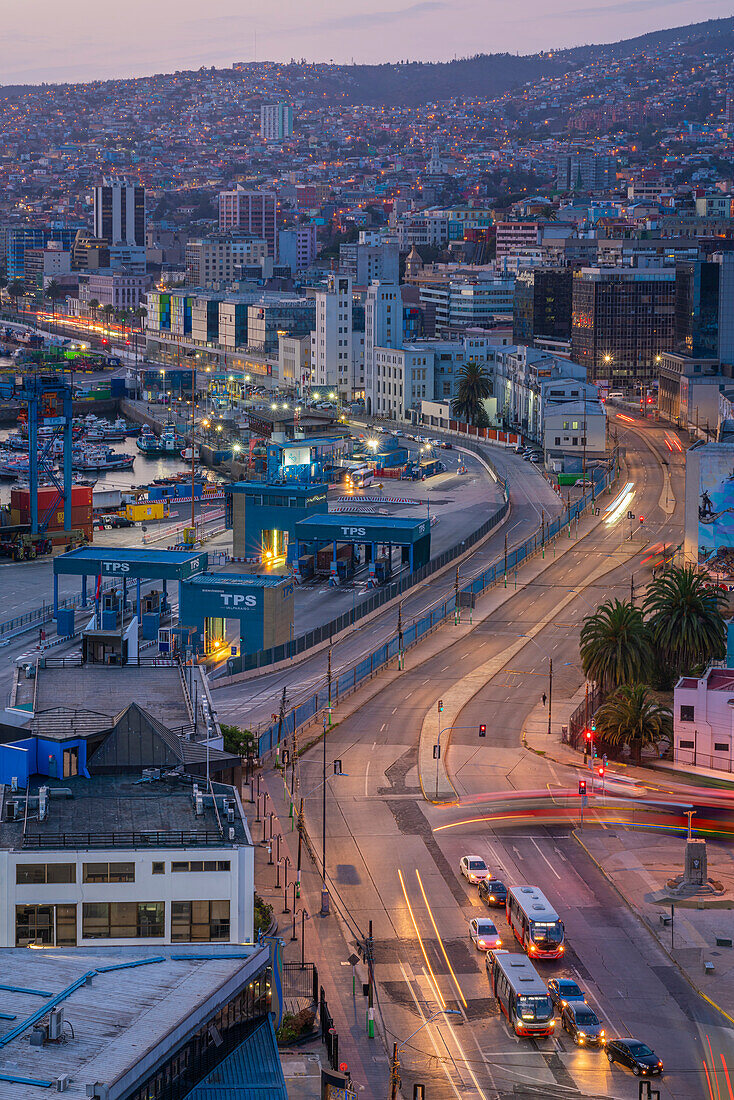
(588, 735)
(600, 770)
(482, 730)
(642, 519)
(582, 786)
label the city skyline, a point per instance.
(47, 44)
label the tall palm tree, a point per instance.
(108, 312)
(684, 616)
(474, 386)
(615, 645)
(53, 292)
(16, 290)
(632, 717)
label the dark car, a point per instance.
(635, 1055)
(493, 892)
(563, 991)
(582, 1024)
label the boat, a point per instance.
(167, 443)
(100, 459)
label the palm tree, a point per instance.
(16, 290)
(474, 386)
(108, 312)
(53, 292)
(632, 717)
(685, 619)
(615, 645)
(93, 306)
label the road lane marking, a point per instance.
(516, 852)
(543, 856)
(366, 777)
(395, 710)
(429, 1029)
(409, 695)
(440, 941)
(382, 726)
(437, 991)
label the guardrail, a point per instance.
(350, 679)
(167, 838)
(44, 614)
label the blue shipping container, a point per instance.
(65, 622)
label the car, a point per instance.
(518, 449)
(634, 1055)
(564, 991)
(447, 446)
(583, 483)
(493, 892)
(484, 934)
(535, 458)
(474, 868)
(582, 1024)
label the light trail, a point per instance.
(440, 941)
(420, 940)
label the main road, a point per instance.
(393, 859)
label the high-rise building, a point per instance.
(584, 170)
(331, 340)
(119, 212)
(704, 308)
(383, 328)
(276, 121)
(213, 260)
(253, 212)
(621, 323)
(542, 306)
(364, 261)
(297, 246)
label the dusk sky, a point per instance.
(46, 40)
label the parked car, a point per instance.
(634, 1055)
(474, 868)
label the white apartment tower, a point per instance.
(331, 340)
(276, 121)
(383, 328)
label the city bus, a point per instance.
(359, 477)
(521, 994)
(535, 922)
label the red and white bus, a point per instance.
(534, 921)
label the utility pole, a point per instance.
(542, 531)
(394, 1073)
(505, 561)
(400, 635)
(324, 890)
(632, 589)
(328, 681)
(370, 988)
(193, 444)
(300, 848)
(457, 614)
(550, 692)
(281, 716)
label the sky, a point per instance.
(44, 40)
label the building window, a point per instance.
(721, 746)
(204, 921)
(686, 744)
(159, 868)
(109, 872)
(558, 440)
(39, 874)
(118, 920)
(200, 865)
(686, 714)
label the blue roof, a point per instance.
(127, 562)
(240, 580)
(251, 1072)
(287, 489)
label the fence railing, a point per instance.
(44, 614)
(351, 678)
(583, 714)
(162, 838)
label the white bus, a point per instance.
(521, 994)
(359, 477)
(535, 922)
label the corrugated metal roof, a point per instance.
(251, 1072)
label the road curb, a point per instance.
(650, 928)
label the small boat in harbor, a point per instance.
(100, 459)
(167, 443)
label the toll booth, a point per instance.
(236, 612)
(263, 518)
(368, 530)
(124, 565)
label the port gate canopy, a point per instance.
(262, 605)
(361, 528)
(128, 564)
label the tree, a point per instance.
(615, 645)
(632, 717)
(108, 312)
(474, 386)
(53, 292)
(93, 306)
(684, 617)
(16, 290)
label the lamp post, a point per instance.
(324, 889)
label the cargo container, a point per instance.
(49, 499)
(325, 556)
(154, 509)
(106, 498)
(305, 566)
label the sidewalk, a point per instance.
(328, 944)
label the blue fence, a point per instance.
(44, 614)
(388, 651)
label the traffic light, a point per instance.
(600, 771)
(482, 730)
(582, 786)
(588, 735)
(642, 519)
(338, 767)
(440, 706)
(285, 757)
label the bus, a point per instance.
(359, 477)
(521, 994)
(535, 922)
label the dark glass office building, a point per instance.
(697, 309)
(542, 305)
